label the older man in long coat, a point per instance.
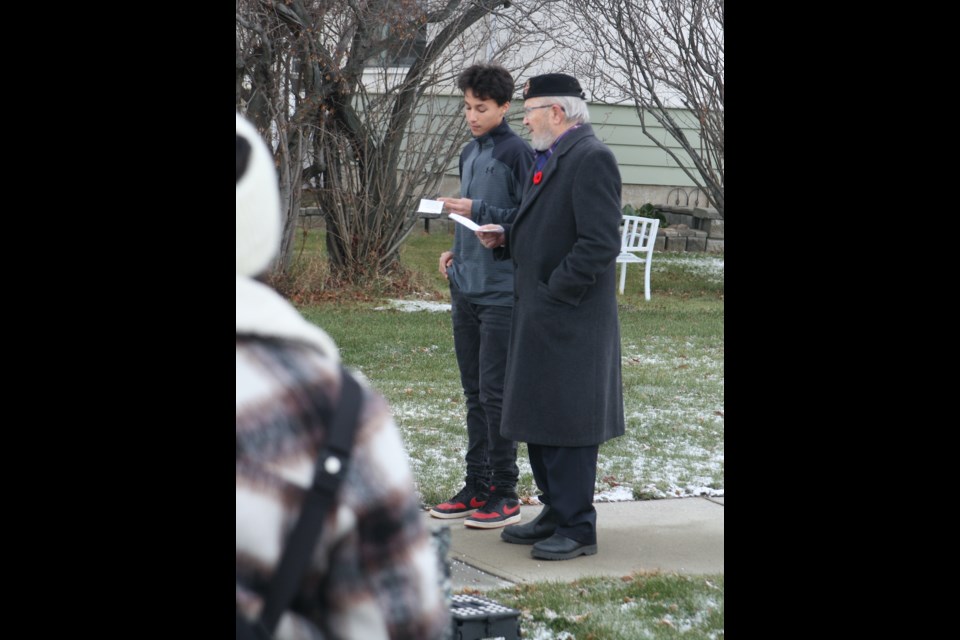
(563, 393)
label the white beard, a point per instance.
(542, 141)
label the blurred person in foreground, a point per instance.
(493, 169)
(374, 572)
(564, 394)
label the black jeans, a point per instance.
(481, 334)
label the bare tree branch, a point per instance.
(661, 55)
(370, 136)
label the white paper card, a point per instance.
(467, 222)
(430, 206)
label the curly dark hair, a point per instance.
(487, 82)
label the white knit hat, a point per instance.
(258, 202)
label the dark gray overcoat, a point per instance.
(563, 384)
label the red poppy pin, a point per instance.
(537, 177)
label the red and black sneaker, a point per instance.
(470, 498)
(499, 511)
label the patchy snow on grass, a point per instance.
(415, 415)
(540, 631)
(680, 448)
(708, 266)
(674, 440)
(619, 493)
(415, 305)
(673, 447)
(675, 483)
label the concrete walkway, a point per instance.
(682, 535)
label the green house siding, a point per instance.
(642, 163)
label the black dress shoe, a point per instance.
(540, 528)
(558, 547)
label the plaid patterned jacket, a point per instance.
(375, 572)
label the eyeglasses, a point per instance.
(527, 110)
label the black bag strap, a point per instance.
(330, 470)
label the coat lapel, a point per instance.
(532, 191)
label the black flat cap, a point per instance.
(552, 84)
